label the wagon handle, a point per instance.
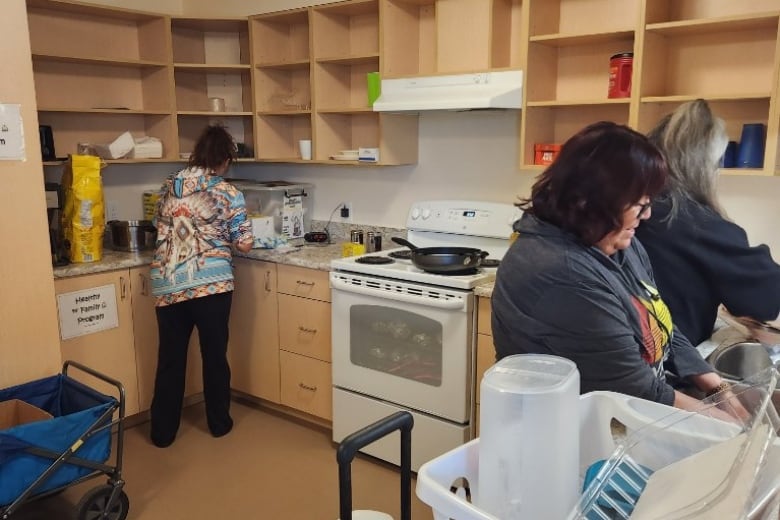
(352, 443)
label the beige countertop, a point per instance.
(311, 256)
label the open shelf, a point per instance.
(280, 37)
(240, 127)
(210, 41)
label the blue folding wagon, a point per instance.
(42, 458)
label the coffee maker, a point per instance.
(53, 210)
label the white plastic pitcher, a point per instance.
(529, 437)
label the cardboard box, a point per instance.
(546, 153)
(15, 412)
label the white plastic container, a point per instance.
(529, 431)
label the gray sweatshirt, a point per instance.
(554, 295)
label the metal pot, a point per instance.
(740, 360)
(132, 235)
(444, 260)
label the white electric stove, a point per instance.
(442, 223)
(404, 338)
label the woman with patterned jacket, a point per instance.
(200, 218)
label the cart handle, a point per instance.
(110, 380)
(352, 443)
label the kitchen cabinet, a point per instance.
(146, 342)
(99, 72)
(724, 52)
(486, 352)
(253, 350)
(211, 59)
(429, 37)
(110, 351)
(305, 340)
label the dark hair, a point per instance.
(215, 146)
(599, 172)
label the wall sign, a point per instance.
(11, 135)
(87, 311)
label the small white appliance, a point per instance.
(404, 338)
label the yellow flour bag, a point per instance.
(83, 215)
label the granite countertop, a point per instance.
(311, 256)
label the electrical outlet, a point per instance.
(112, 210)
(346, 212)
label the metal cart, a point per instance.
(42, 458)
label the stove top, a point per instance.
(450, 223)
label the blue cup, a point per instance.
(751, 147)
(729, 159)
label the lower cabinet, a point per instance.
(486, 352)
(254, 334)
(305, 340)
(110, 351)
(146, 341)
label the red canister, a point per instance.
(620, 67)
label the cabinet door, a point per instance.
(146, 341)
(305, 328)
(254, 332)
(110, 351)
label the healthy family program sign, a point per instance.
(87, 311)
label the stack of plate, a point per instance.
(345, 155)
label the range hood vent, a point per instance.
(496, 89)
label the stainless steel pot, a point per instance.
(132, 235)
(740, 360)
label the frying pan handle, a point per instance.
(404, 242)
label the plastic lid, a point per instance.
(530, 373)
(622, 55)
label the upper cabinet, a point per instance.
(428, 37)
(212, 74)
(100, 72)
(723, 51)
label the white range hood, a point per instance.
(496, 89)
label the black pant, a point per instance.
(210, 314)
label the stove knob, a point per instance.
(415, 213)
(426, 213)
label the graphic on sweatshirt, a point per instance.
(656, 323)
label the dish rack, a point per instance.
(634, 438)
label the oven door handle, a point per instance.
(456, 304)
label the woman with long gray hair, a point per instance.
(700, 258)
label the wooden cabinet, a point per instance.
(110, 351)
(100, 72)
(254, 335)
(305, 340)
(146, 342)
(724, 52)
(426, 37)
(211, 59)
(486, 352)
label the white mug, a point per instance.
(304, 145)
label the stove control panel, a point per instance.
(487, 219)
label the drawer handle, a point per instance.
(307, 387)
(304, 329)
(304, 282)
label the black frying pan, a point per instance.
(444, 260)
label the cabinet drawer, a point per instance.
(306, 384)
(486, 357)
(483, 316)
(300, 281)
(304, 327)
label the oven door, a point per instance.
(405, 343)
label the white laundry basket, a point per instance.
(656, 435)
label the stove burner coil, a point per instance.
(374, 260)
(403, 254)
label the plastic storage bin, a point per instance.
(654, 435)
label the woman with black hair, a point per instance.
(200, 219)
(576, 284)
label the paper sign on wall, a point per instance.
(11, 135)
(87, 311)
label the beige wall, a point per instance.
(29, 342)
